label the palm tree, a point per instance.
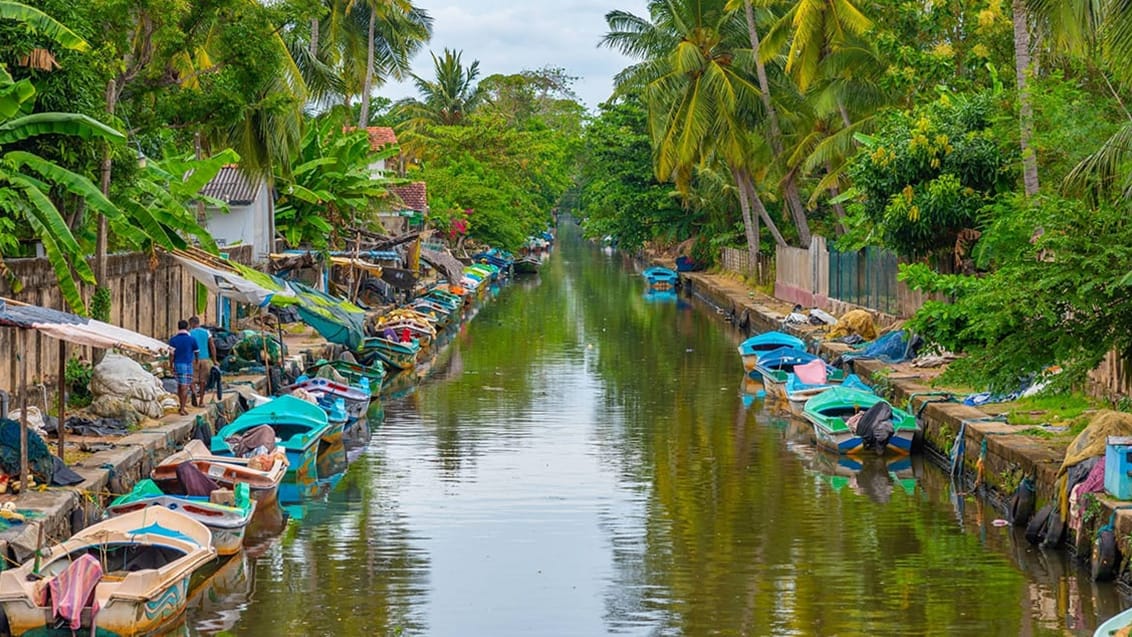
(699, 90)
(1022, 71)
(451, 97)
(812, 28)
(404, 30)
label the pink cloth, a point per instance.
(71, 589)
(812, 373)
(1094, 482)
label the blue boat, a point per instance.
(1114, 624)
(749, 349)
(661, 278)
(299, 427)
(776, 365)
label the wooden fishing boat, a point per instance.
(799, 392)
(1116, 626)
(224, 470)
(830, 412)
(444, 297)
(356, 399)
(774, 367)
(527, 265)
(437, 314)
(398, 356)
(364, 377)
(661, 278)
(750, 349)
(299, 426)
(139, 565)
(227, 523)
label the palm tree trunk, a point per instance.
(750, 225)
(789, 185)
(1022, 67)
(746, 182)
(101, 240)
(363, 118)
(314, 38)
(838, 209)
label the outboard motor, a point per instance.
(875, 427)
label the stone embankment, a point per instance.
(1010, 454)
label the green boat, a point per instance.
(829, 411)
(374, 375)
(396, 355)
(444, 297)
(227, 523)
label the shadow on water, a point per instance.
(583, 462)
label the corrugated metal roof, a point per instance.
(232, 186)
(414, 195)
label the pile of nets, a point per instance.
(247, 353)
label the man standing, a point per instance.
(184, 352)
(202, 365)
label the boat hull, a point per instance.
(126, 618)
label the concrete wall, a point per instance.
(149, 295)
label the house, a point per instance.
(409, 207)
(250, 219)
(380, 137)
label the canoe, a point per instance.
(661, 278)
(223, 470)
(1114, 624)
(364, 377)
(356, 399)
(776, 365)
(227, 523)
(829, 411)
(750, 349)
(799, 393)
(146, 557)
(299, 426)
(398, 356)
(527, 265)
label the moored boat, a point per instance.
(750, 349)
(225, 470)
(661, 278)
(527, 265)
(135, 567)
(298, 426)
(799, 392)
(398, 356)
(1118, 625)
(776, 365)
(849, 420)
(226, 522)
(326, 390)
(364, 377)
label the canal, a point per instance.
(583, 460)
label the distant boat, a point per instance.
(832, 414)
(397, 355)
(661, 278)
(1115, 624)
(136, 567)
(767, 341)
(527, 265)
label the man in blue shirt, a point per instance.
(184, 352)
(206, 353)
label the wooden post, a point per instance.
(62, 397)
(23, 412)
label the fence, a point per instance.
(735, 260)
(148, 295)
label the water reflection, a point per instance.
(583, 464)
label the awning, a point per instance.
(336, 320)
(447, 264)
(77, 329)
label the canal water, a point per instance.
(584, 460)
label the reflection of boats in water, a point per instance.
(875, 477)
(752, 391)
(216, 602)
(657, 295)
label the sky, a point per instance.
(509, 36)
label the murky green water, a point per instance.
(583, 462)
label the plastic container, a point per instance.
(1118, 467)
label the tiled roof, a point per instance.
(232, 186)
(414, 195)
(380, 137)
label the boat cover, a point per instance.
(244, 444)
(875, 426)
(194, 481)
(812, 373)
(71, 589)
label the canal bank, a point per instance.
(997, 455)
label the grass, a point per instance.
(1072, 411)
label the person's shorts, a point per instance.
(184, 373)
(201, 368)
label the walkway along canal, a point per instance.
(584, 461)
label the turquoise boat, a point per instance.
(776, 366)
(299, 426)
(365, 377)
(398, 356)
(750, 349)
(227, 523)
(799, 393)
(661, 278)
(437, 314)
(830, 410)
(452, 301)
(1115, 624)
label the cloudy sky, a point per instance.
(509, 36)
